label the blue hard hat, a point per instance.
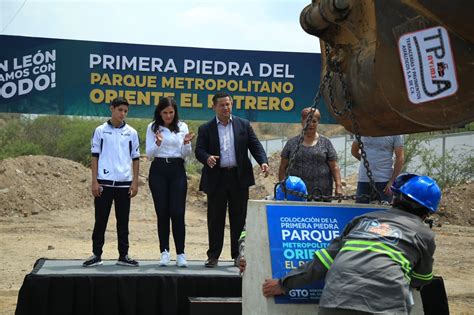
(292, 183)
(423, 190)
(400, 180)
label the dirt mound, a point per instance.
(264, 186)
(31, 184)
(456, 206)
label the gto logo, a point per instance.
(299, 293)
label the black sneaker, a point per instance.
(92, 261)
(127, 261)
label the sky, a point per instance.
(269, 25)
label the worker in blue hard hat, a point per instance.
(378, 257)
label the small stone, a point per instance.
(50, 247)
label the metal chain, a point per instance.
(327, 80)
(312, 197)
(374, 194)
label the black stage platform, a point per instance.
(65, 287)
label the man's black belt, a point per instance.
(168, 160)
(113, 183)
(229, 168)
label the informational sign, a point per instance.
(296, 232)
(69, 77)
(428, 65)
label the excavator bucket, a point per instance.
(407, 66)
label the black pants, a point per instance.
(103, 204)
(229, 194)
(168, 185)
(363, 188)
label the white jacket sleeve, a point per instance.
(151, 147)
(96, 142)
(186, 149)
(135, 146)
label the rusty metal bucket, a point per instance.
(408, 65)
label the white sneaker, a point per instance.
(165, 258)
(181, 260)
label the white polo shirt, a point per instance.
(115, 148)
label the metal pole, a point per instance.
(443, 165)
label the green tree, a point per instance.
(75, 140)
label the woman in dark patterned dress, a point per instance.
(316, 160)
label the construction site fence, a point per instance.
(456, 145)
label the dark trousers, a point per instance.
(103, 204)
(230, 194)
(340, 311)
(169, 185)
(363, 188)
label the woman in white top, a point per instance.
(168, 142)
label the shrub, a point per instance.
(19, 148)
(14, 142)
(75, 141)
(45, 131)
(413, 147)
(448, 169)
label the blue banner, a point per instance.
(295, 232)
(70, 77)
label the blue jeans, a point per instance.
(363, 188)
